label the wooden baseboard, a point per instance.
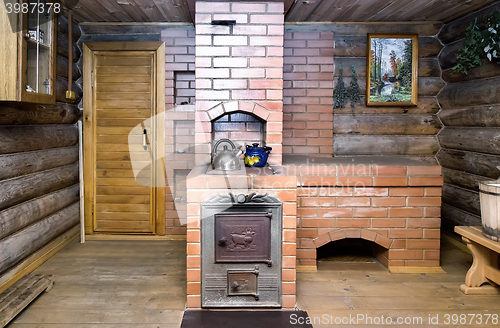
(38, 258)
(455, 240)
(306, 268)
(411, 269)
(134, 237)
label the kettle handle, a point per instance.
(220, 141)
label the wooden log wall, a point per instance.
(402, 131)
(62, 62)
(470, 112)
(39, 190)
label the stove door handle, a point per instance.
(223, 241)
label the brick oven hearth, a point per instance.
(394, 206)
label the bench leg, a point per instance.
(482, 257)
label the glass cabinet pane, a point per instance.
(32, 52)
(38, 58)
(44, 52)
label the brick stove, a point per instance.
(394, 203)
(239, 95)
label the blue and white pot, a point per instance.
(256, 156)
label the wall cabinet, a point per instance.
(28, 53)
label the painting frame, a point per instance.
(375, 82)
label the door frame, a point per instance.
(88, 126)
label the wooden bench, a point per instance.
(484, 267)
(18, 296)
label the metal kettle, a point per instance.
(226, 159)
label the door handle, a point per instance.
(144, 144)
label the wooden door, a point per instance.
(123, 169)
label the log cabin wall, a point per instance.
(311, 65)
(470, 149)
(39, 190)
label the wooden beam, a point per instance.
(486, 70)
(18, 217)
(386, 124)
(462, 179)
(17, 190)
(483, 140)
(471, 162)
(452, 216)
(347, 145)
(474, 116)
(62, 48)
(465, 199)
(17, 164)
(430, 86)
(425, 105)
(22, 244)
(448, 56)
(470, 93)
(427, 67)
(62, 28)
(28, 113)
(363, 28)
(36, 137)
(62, 68)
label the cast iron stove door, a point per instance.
(243, 237)
(241, 251)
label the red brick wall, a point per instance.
(179, 122)
(396, 207)
(184, 88)
(308, 93)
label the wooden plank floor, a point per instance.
(115, 284)
(342, 289)
(112, 284)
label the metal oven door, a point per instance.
(243, 237)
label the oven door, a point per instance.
(243, 237)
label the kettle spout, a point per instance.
(238, 152)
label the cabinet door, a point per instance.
(37, 71)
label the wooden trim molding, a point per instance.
(117, 46)
(402, 269)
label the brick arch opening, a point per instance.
(379, 245)
(239, 106)
(365, 234)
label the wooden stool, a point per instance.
(484, 267)
(21, 294)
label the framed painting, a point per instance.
(391, 70)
